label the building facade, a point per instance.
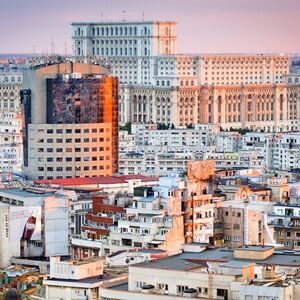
(10, 120)
(71, 121)
(158, 85)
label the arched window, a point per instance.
(125, 30)
(13, 79)
(106, 29)
(116, 31)
(19, 79)
(130, 30)
(11, 94)
(93, 30)
(135, 31)
(219, 104)
(102, 31)
(168, 83)
(281, 99)
(290, 80)
(157, 82)
(296, 80)
(163, 83)
(98, 31)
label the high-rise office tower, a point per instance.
(71, 121)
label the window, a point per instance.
(181, 288)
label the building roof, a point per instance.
(138, 250)
(190, 260)
(96, 180)
(89, 280)
(28, 193)
(255, 248)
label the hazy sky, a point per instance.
(204, 26)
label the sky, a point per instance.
(203, 26)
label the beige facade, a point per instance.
(68, 151)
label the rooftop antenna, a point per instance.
(65, 48)
(124, 15)
(143, 16)
(101, 16)
(52, 46)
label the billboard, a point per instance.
(25, 223)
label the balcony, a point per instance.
(88, 243)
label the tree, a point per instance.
(126, 127)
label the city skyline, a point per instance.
(260, 26)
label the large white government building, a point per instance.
(158, 85)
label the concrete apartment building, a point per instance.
(11, 78)
(71, 121)
(74, 279)
(285, 219)
(33, 224)
(160, 86)
(245, 273)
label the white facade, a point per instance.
(158, 85)
(74, 279)
(11, 156)
(54, 222)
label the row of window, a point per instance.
(76, 140)
(77, 130)
(77, 159)
(59, 150)
(70, 169)
(12, 79)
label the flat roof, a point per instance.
(89, 280)
(28, 193)
(120, 287)
(96, 180)
(236, 264)
(255, 248)
(190, 260)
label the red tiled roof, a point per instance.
(95, 180)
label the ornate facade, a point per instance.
(157, 85)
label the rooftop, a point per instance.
(190, 260)
(89, 280)
(28, 193)
(96, 180)
(78, 262)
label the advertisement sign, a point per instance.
(25, 223)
